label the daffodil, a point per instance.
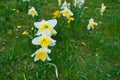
(59, 2)
(103, 7)
(32, 12)
(70, 19)
(65, 5)
(41, 54)
(25, 33)
(57, 14)
(46, 27)
(67, 13)
(78, 3)
(91, 24)
(44, 41)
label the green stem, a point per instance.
(56, 70)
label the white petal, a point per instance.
(102, 5)
(36, 40)
(35, 59)
(52, 22)
(91, 20)
(33, 15)
(47, 49)
(88, 27)
(53, 42)
(54, 32)
(46, 32)
(38, 24)
(32, 8)
(33, 55)
(82, 1)
(48, 58)
(39, 33)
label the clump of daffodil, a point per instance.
(103, 7)
(91, 24)
(78, 3)
(45, 31)
(70, 19)
(25, 33)
(42, 54)
(67, 12)
(32, 12)
(57, 14)
(46, 27)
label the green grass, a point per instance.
(98, 59)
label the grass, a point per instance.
(79, 54)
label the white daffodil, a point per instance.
(41, 54)
(59, 2)
(65, 5)
(46, 27)
(32, 12)
(103, 7)
(78, 3)
(91, 24)
(67, 13)
(44, 41)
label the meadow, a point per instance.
(79, 54)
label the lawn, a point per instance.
(79, 54)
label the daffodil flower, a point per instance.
(44, 41)
(78, 3)
(25, 33)
(32, 12)
(41, 54)
(67, 13)
(103, 7)
(65, 5)
(70, 19)
(46, 27)
(91, 24)
(57, 14)
(59, 2)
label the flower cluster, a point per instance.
(65, 11)
(92, 23)
(44, 33)
(46, 27)
(68, 11)
(78, 3)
